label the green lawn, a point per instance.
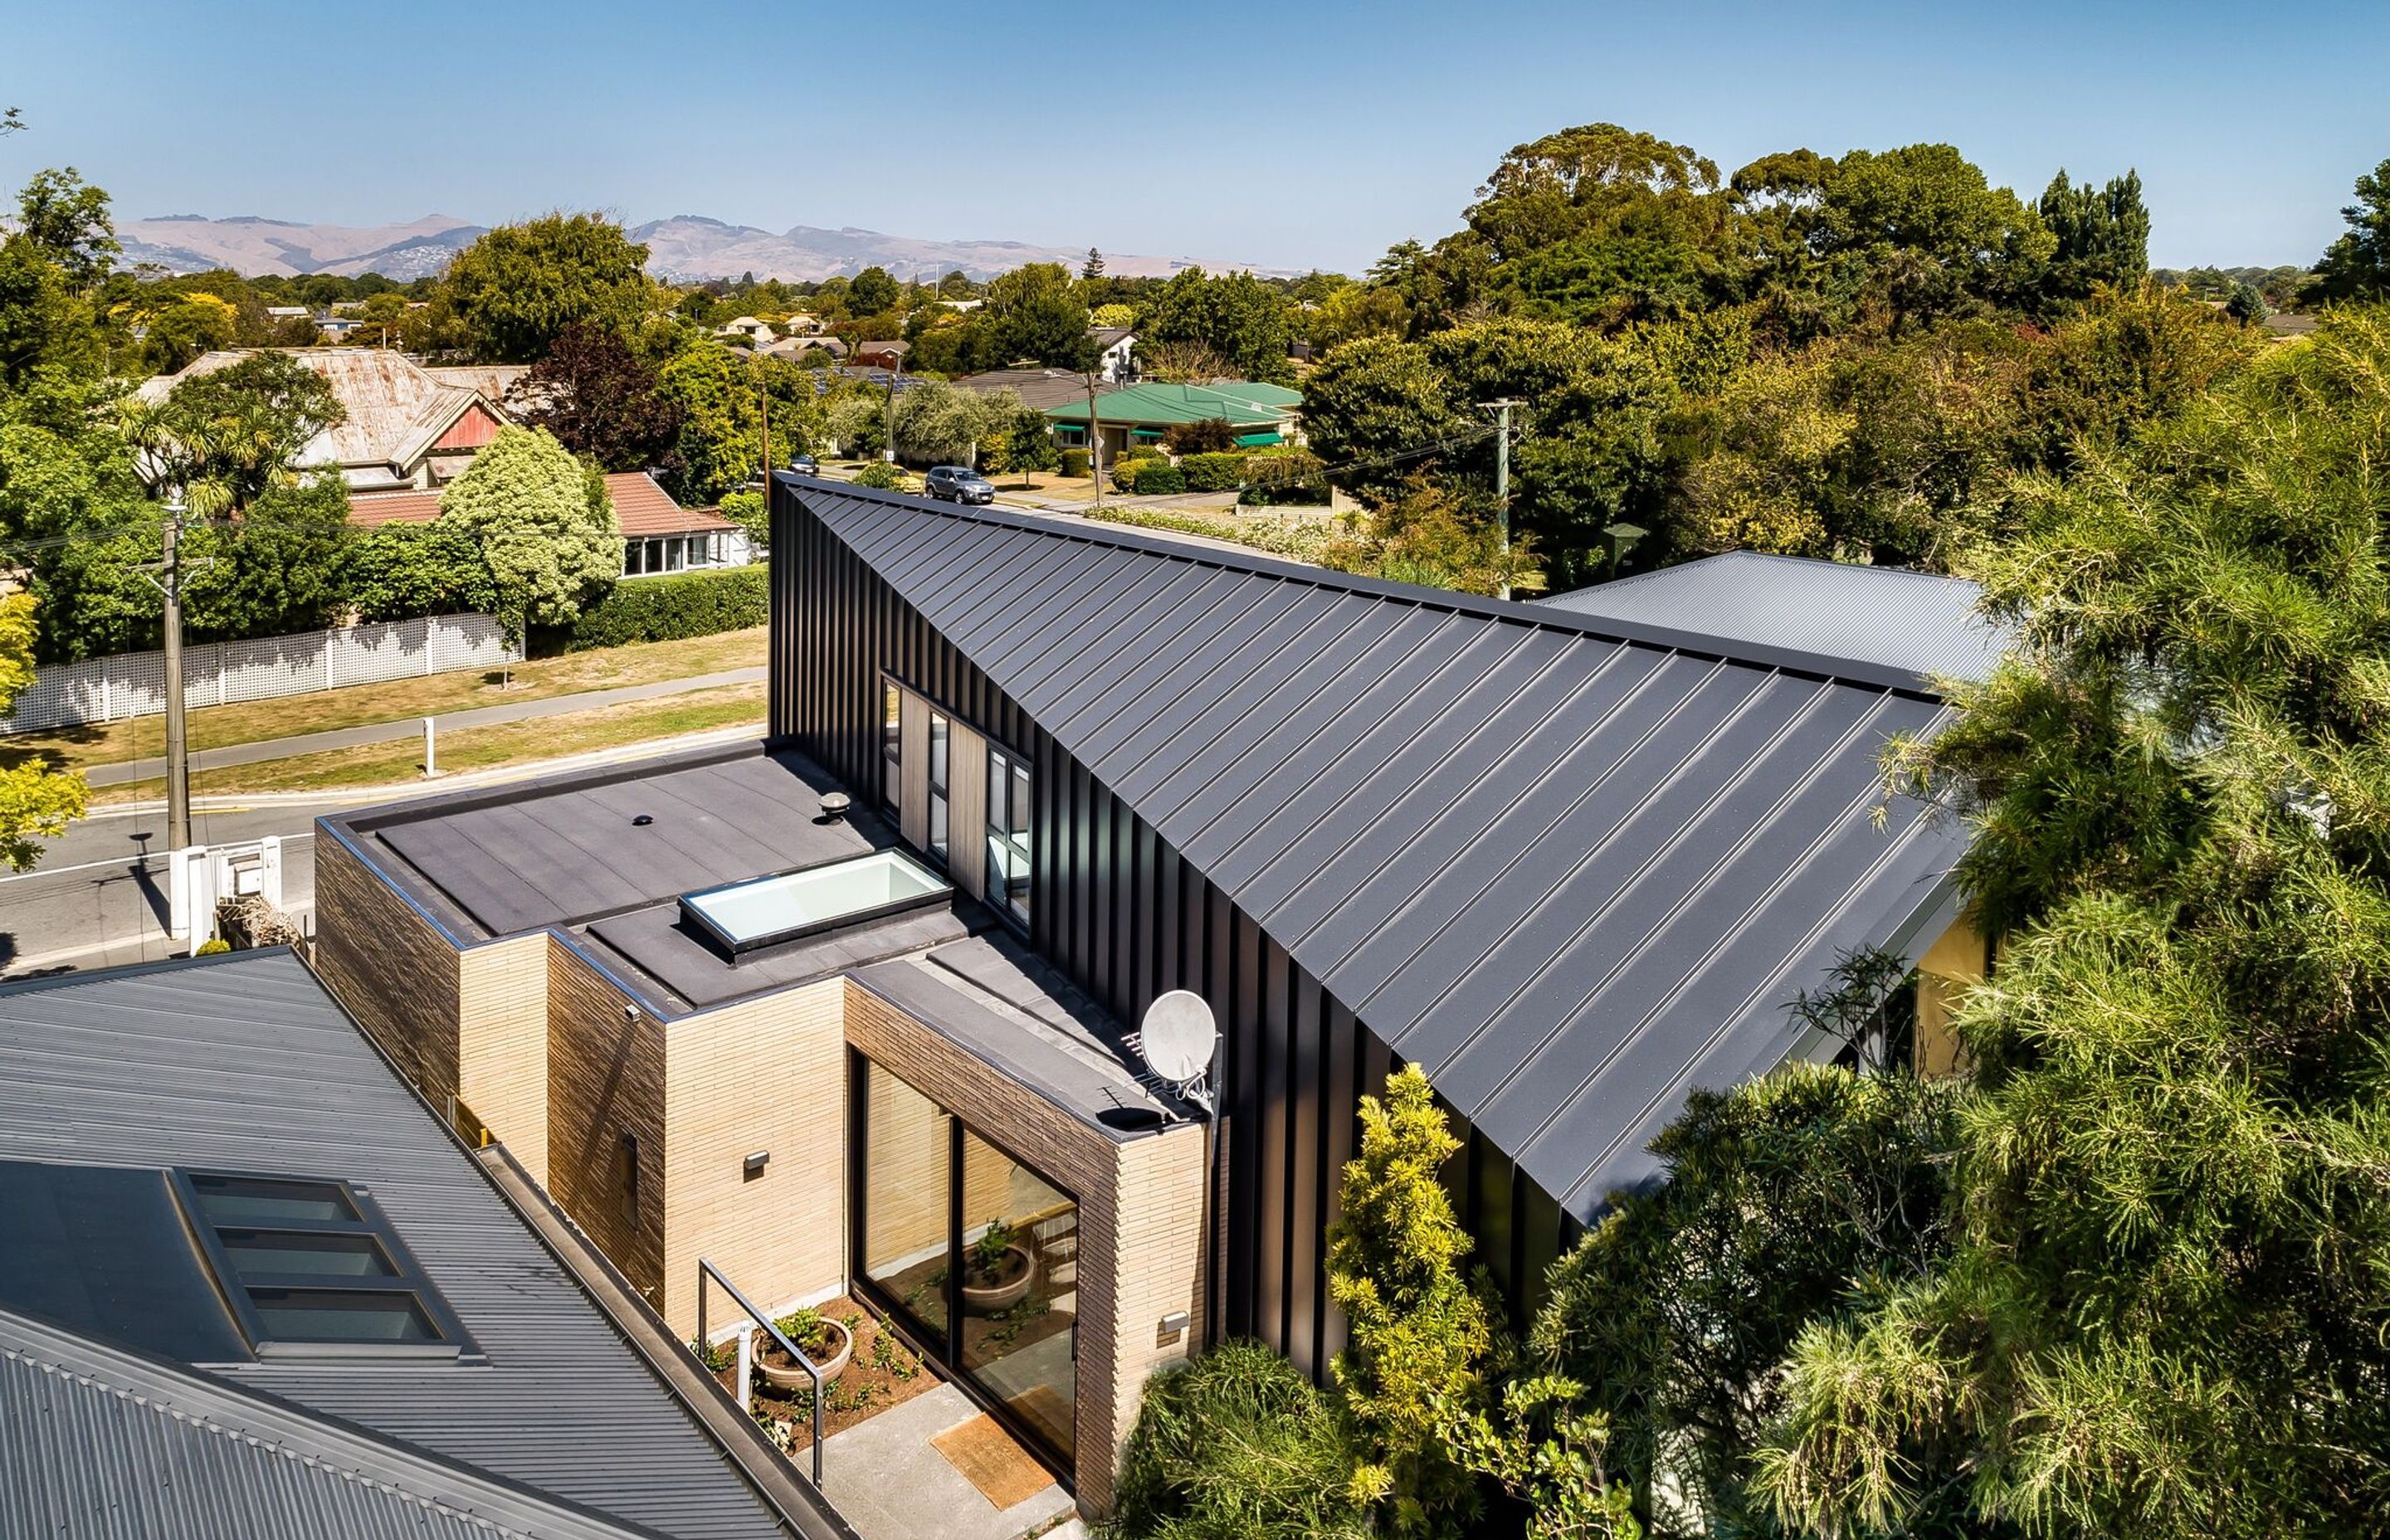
(215, 727)
(473, 748)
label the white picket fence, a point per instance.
(215, 674)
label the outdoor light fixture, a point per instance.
(1172, 1327)
(753, 1165)
(834, 806)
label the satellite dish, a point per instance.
(1177, 1038)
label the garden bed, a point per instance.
(884, 1373)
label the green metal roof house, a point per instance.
(1261, 414)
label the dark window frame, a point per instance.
(407, 1282)
(1005, 767)
(891, 745)
(941, 803)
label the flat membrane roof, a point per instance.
(568, 849)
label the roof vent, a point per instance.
(834, 805)
(641, 820)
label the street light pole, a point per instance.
(1502, 476)
(178, 769)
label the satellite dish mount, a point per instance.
(1177, 1040)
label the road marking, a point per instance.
(124, 861)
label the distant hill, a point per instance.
(686, 247)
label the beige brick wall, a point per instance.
(397, 974)
(1140, 1220)
(1954, 964)
(767, 1074)
(502, 1043)
(606, 1079)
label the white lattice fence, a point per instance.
(134, 684)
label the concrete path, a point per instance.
(391, 732)
(887, 1479)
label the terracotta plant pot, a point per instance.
(783, 1375)
(992, 1297)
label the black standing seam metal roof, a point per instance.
(245, 1063)
(1572, 866)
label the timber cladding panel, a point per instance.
(766, 1075)
(1140, 1219)
(606, 1115)
(502, 1043)
(389, 965)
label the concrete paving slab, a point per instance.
(886, 1480)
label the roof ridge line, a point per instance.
(1601, 627)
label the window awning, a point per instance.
(1259, 440)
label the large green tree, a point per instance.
(515, 289)
(544, 525)
(2357, 267)
(1033, 314)
(1236, 318)
(2167, 1312)
(2100, 235)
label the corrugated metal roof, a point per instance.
(641, 507)
(1573, 867)
(106, 1441)
(1921, 621)
(1242, 404)
(396, 408)
(246, 1063)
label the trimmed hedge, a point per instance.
(1074, 462)
(1151, 478)
(668, 608)
(1219, 470)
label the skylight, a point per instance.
(746, 916)
(313, 1269)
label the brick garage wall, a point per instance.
(1140, 1220)
(605, 1080)
(395, 973)
(760, 1075)
(502, 1043)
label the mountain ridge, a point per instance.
(690, 246)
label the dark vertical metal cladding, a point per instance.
(1125, 916)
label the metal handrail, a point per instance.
(707, 1270)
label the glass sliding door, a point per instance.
(906, 1175)
(1019, 1273)
(973, 1252)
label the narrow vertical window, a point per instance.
(629, 1158)
(939, 731)
(892, 744)
(1007, 836)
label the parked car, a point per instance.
(955, 483)
(805, 464)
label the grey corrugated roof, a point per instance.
(1574, 867)
(1920, 621)
(246, 1063)
(101, 1441)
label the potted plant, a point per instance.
(826, 1341)
(997, 1271)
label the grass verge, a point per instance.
(355, 705)
(472, 747)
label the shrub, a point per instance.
(399, 572)
(748, 510)
(1142, 452)
(880, 474)
(1237, 1443)
(1074, 462)
(669, 608)
(1213, 472)
(1300, 540)
(1199, 437)
(1158, 478)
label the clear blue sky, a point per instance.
(1290, 134)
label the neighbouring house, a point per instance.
(1260, 415)
(1022, 777)
(407, 427)
(287, 312)
(756, 333)
(882, 354)
(1115, 348)
(659, 535)
(251, 1285)
(338, 329)
(498, 382)
(1038, 388)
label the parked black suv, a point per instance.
(954, 483)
